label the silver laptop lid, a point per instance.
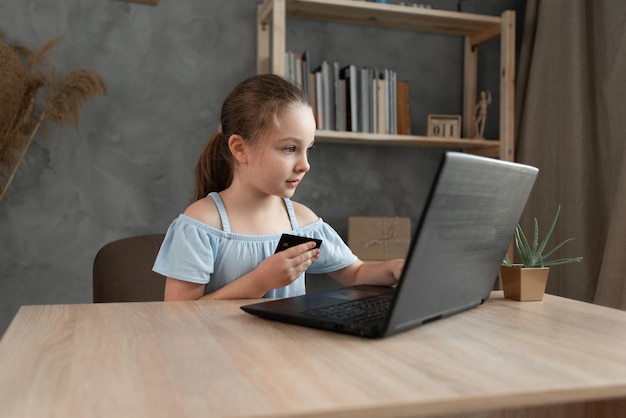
(462, 237)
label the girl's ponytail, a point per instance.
(214, 171)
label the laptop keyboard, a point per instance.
(358, 311)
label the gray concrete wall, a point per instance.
(127, 169)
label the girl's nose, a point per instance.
(303, 165)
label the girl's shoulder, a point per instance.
(304, 215)
(205, 211)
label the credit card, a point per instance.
(288, 241)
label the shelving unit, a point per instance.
(476, 30)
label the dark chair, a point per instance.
(122, 271)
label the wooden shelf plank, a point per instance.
(337, 137)
(479, 27)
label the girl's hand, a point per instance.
(278, 270)
(283, 268)
(384, 273)
(396, 266)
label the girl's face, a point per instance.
(279, 161)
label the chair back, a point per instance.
(122, 271)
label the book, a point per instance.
(393, 114)
(297, 69)
(349, 73)
(313, 96)
(387, 82)
(343, 114)
(340, 99)
(382, 104)
(288, 67)
(319, 100)
(375, 101)
(328, 96)
(306, 71)
(403, 108)
(366, 103)
(390, 101)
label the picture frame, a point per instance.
(444, 126)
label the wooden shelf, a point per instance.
(476, 29)
(488, 146)
(480, 27)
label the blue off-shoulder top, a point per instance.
(195, 252)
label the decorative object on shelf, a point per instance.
(24, 111)
(481, 114)
(445, 126)
(527, 280)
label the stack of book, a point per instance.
(351, 98)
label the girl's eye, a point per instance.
(289, 149)
(309, 149)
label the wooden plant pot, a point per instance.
(524, 284)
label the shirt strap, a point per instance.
(292, 214)
(222, 211)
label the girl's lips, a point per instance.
(293, 182)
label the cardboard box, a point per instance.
(379, 238)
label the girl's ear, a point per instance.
(237, 146)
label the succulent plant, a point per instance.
(534, 254)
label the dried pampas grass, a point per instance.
(23, 74)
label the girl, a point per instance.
(222, 246)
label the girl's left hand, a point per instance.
(396, 266)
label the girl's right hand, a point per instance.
(283, 268)
(278, 270)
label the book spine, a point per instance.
(321, 117)
(313, 96)
(329, 96)
(382, 103)
(338, 97)
(306, 81)
(365, 99)
(403, 108)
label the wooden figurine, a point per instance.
(481, 114)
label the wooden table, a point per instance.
(558, 357)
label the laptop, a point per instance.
(453, 260)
